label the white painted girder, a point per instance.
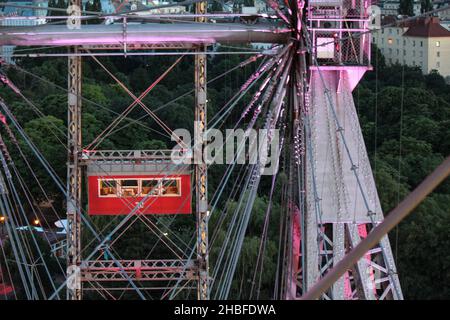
(335, 195)
(144, 34)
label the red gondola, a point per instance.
(116, 188)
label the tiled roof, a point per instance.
(427, 28)
(395, 21)
(421, 27)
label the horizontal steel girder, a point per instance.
(106, 156)
(139, 270)
(136, 34)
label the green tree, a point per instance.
(423, 259)
(150, 145)
(97, 6)
(93, 6)
(435, 82)
(47, 133)
(62, 4)
(406, 7)
(51, 4)
(425, 6)
(216, 6)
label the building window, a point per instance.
(404, 42)
(398, 52)
(438, 64)
(398, 42)
(390, 50)
(382, 40)
(398, 31)
(414, 43)
(404, 52)
(421, 54)
(390, 41)
(421, 43)
(414, 53)
(438, 43)
(438, 54)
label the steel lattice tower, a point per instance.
(74, 290)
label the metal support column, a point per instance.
(74, 177)
(338, 255)
(362, 266)
(201, 177)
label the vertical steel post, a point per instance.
(201, 174)
(74, 175)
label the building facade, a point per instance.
(424, 43)
(20, 16)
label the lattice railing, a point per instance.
(134, 155)
(140, 270)
(339, 32)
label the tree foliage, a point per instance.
(406, 7)
(406, 128)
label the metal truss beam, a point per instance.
(141, 46)
(138, 270)
(131, 156)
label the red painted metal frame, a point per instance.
(153, 205)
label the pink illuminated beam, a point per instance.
(117, 34)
